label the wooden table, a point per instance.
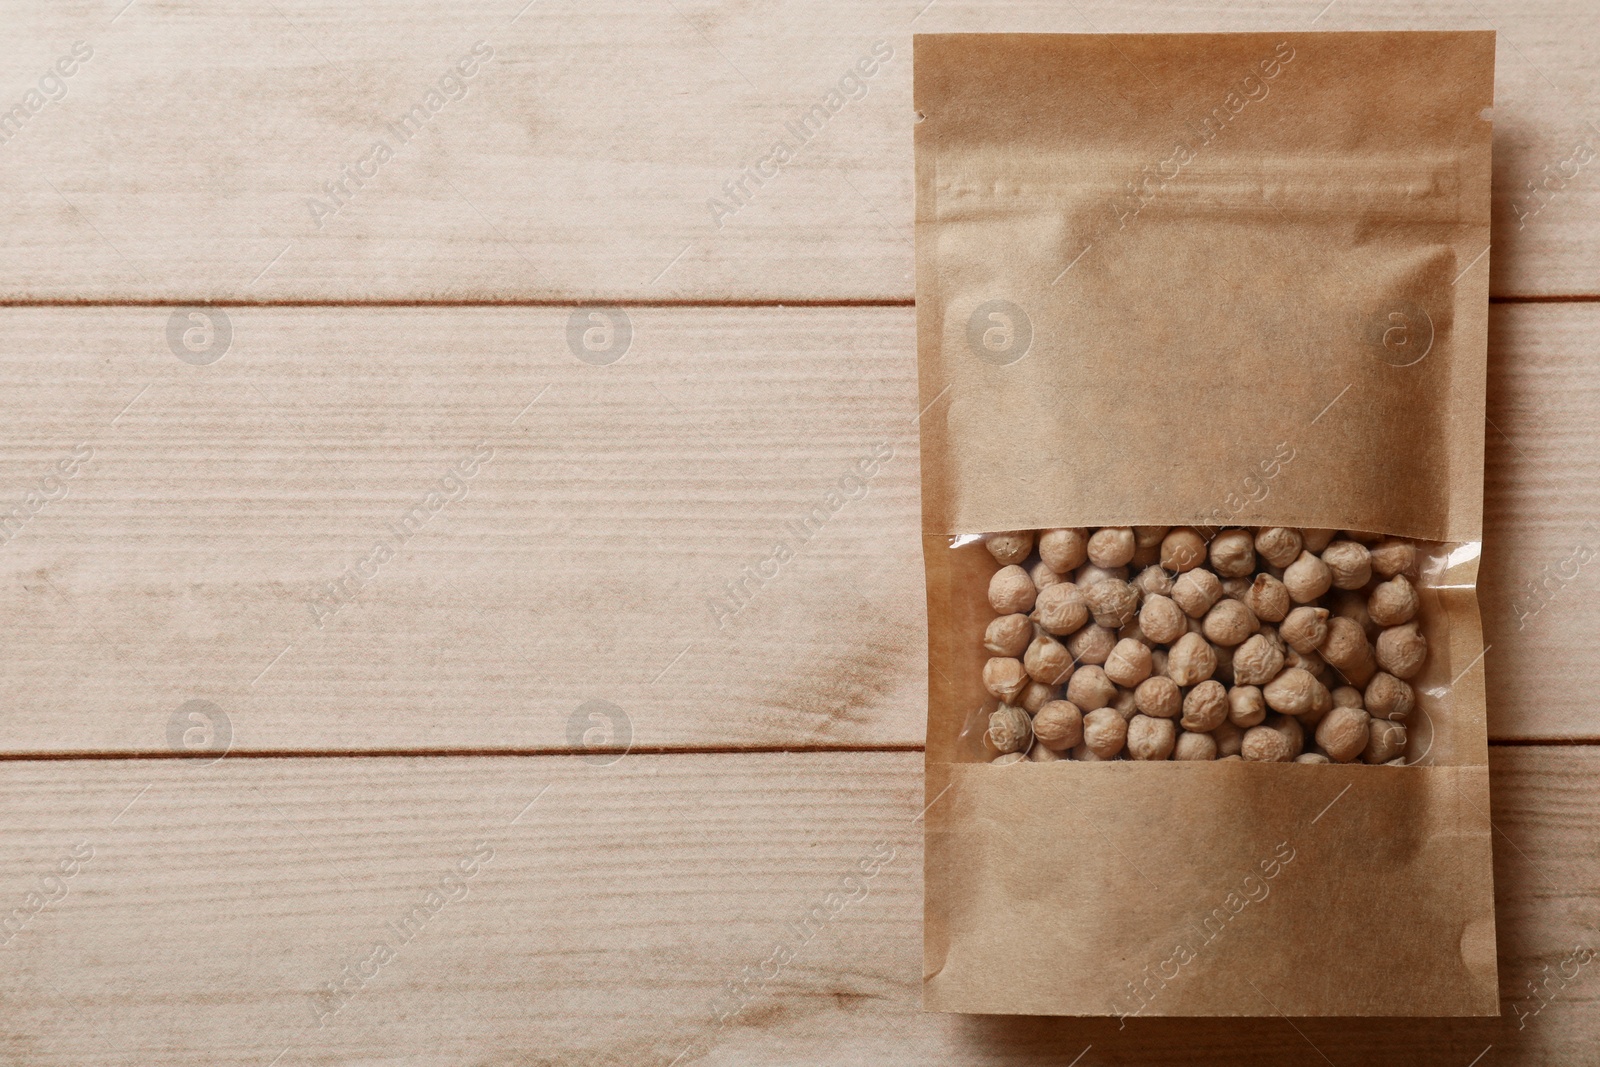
(412, 477)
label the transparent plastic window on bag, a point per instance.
(1265, 644)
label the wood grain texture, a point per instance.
(589, 555)
(1542, 522)
(611, 916)
(580, 160)
(590, 558)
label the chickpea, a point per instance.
(1064, 550)
(1008, 635)
(1233, 554)
(1010, 547)
(1011, 591)
(1111, 546)
(1059, 725)
(1182, 549)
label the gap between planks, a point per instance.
(487, 302)
(586, 753)
(598, 301)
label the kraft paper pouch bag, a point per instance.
(1208, 280)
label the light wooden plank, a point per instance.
(1542, 518)
(611, 917)
(583, 562)
(590, 559)
(582, 159)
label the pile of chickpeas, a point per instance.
(1271, 644)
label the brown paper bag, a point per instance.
(1149, 267)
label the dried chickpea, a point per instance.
(1158, 697)
(1246, 706)
(1390, 558)
(1257, 661)
(1010, 729)
(1233, 554)
(1235, 588)
(1385, 741)
(1089, 574)
(1152, 581)
(1263, 744)
(1195, 591)
(1349, 564)
(1085, 754)
(1307, 578)
(1010, 547)
(1008, 635)
(1043, 577)
(1090, 689)
(1048, 661)
(1347, 696)
(1162, 620)
(1150, 739)
(1104, 732)
(1041, 754)
(1291, 730)
(1191, 660)
(1061, 609)
(1129, 662)
(1064, 550)
(1205, 707)
(1229, 738)
(1268, 598)
(1312, 757)
(1036, 696)
(1059, 725)
(1279, 545)
(1387, 697)
(1111, 546)
(1229, 623)
(1145, 557)
(1365, 537)
(1401, 650)
(1011, 591)
(1005, 678)
(1092, 644)
(1342, 733)
(1393, 602)
(1347, 650)
(1317, 540)
(1009, 757)
(1292, 692)
(1193, 746)
(1124, 704)
(1305, 629)
(1113, 602)
(1149, 536)
(1182, 549)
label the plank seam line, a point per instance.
(592, 301)
(588, 753)
(541, 302)
(450, 753)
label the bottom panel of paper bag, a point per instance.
(1229, 888)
